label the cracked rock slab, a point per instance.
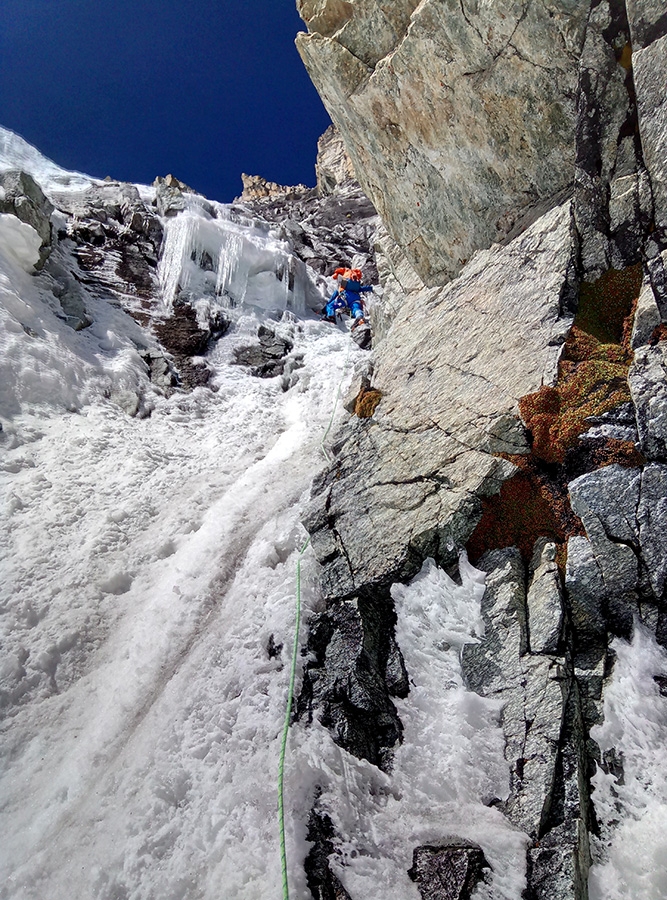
(648, 386)
(408, 483)
(652, 519)
(545, 601)
(649, 65)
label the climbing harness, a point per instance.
(295, 650)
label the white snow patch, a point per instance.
(20, 241)
(632, 849)
(46, 366)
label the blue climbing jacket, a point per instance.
(348, 298)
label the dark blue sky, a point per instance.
(204, 89)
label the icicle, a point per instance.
(235, 259)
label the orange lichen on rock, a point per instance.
(366, 402)
(659, 334)
(529, 506)
(592, 380)
(593, 370)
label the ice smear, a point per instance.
(449, 768)
(632, 849)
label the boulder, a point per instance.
(647, 315)
(606, 501)
(611, 495)
(353, 671)
(266, 358)
(448, 870)
(21, 196)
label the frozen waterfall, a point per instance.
(236, 260)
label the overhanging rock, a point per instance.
(458, 116)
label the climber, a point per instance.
(346, 296)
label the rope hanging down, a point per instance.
(288, 715)
(295, 650)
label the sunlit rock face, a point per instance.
(458, 117)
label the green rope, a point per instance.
(295, 650)
(288, 714)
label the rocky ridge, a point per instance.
(521, 405)
(104, 241)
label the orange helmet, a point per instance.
(348, 274)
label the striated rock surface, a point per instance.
(458, 117)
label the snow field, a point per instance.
(145, 565)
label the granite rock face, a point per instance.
(458, 117)
(540, 130)
(408, 482)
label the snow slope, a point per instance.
(146, 618)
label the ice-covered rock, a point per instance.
(23, 197)
(544, 741)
